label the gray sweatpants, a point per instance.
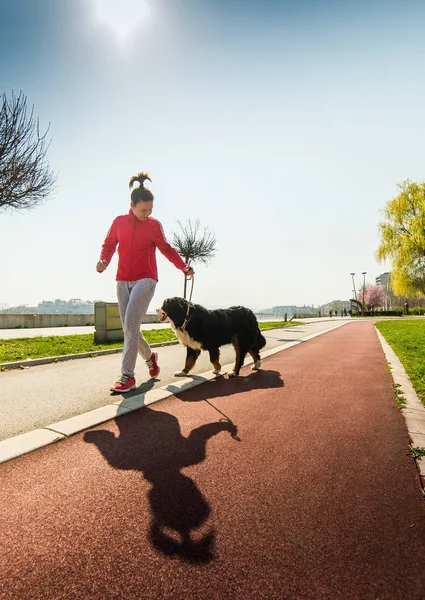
(133, 302)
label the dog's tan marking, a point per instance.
(256, 358)
(235, 342)
(190, 362)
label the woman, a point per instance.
(137, 235)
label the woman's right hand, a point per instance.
(101, 266)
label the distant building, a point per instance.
(280, 311)
(290, 310)
(384, 279)
(50, 307)
(73, 306)
(335, 305)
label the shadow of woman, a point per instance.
(151, 441)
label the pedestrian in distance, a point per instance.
(137, 236)
(406, 308)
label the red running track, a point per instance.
(313, 497)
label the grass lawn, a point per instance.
(17, 349)
(407, 339)
(277, 324)
(39, 347)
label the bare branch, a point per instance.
(193, 244)
(26, 180)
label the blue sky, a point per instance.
(283, 126)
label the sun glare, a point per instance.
(121, 16)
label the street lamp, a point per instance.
(354, 288)
(364, 284)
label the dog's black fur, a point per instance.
(203, 329)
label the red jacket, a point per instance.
(137, 241)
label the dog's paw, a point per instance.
(180, 374)
(216, 371)
(256, 365)
(232, 374)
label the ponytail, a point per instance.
(140, 193)
(140, 177)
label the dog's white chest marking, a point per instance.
(185, 338)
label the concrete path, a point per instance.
(289, 483)
(44, 394)
(8, 334)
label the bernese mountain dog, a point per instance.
(198, 329)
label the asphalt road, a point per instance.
(290, 483)
(37, 396)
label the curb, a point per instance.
(33, 362)
(414, 412)
(38, 438)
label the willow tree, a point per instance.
(193, 243)
(402, 233)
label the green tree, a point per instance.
(402, 233)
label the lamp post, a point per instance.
(354, 288)
(364, 284)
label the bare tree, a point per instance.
(25, 177)
(194, 244)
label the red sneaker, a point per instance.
(124, 384)
(152, 365)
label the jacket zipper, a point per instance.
(132, 248)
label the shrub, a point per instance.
(417, 310)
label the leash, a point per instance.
(234, 429)
(187, 319)
(234, 432)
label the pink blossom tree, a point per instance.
(374, 296)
